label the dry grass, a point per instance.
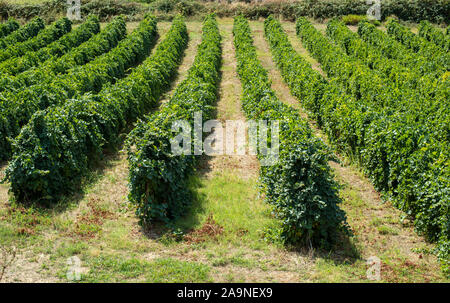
(210, 230)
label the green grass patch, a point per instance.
(386, 230)
(70, 248)
(355, 19)
(116, 269)
(235, 205)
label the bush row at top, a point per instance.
(99, 44)
(437, 11)
(58, 146)
(413, 10)
(158, 179)
(432, 34)
(412, 83)
(378, 91)
(43, 38)
(18, 107)
(402, 154)
(355, 47)
(299, 184)
(48, 9)
(54, 50)
(419, 45)
(8, 27)
(26, 32)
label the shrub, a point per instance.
(24, 33)
(299, 184)
(413, 10)
(432, 34)
(54, 50)
(58, 146)
(353, 19)
(188, 7)
(46, 36)
(8, 27)
(164, 6)
(159, 179)
(105, 9)
(437, 11)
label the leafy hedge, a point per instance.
(84, 53)
(54, 50)
(24, 33)
(437, 11)
(45, 9)
(432, 34)
(354, 19)
(18, 107)
(158, 178)
(45, 37)
(402, 152)
(57, 147)
(8, 27)
(99, 44)
(409, 80)
(300, 184)
(355, 47)
(104, 9)
(422, 74)
(107, 8)
(413, 10)
(419, 45)
(393, 49)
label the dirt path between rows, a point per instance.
(245, 167)
(229, 109)
(188, 59)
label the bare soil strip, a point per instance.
(229, 108)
